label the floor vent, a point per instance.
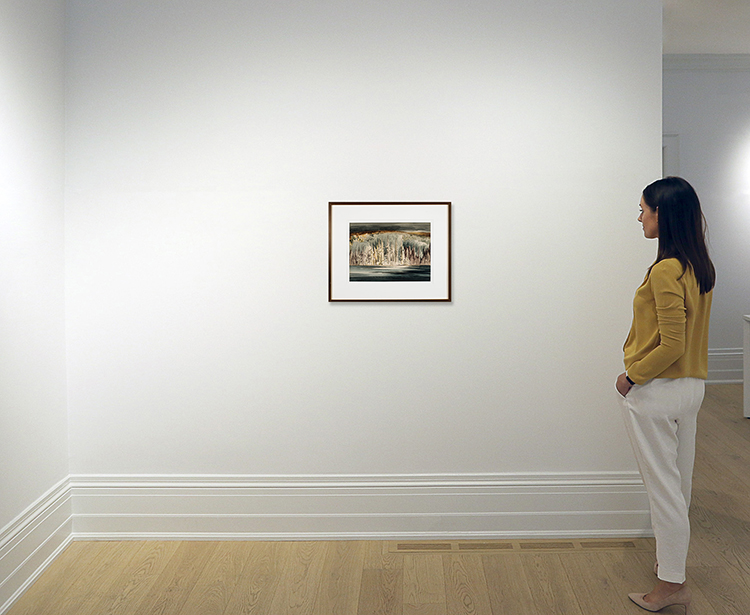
(522, 546)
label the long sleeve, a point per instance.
(669, 334)
(669, 302)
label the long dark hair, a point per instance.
(682, 228)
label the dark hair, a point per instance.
(682, 228)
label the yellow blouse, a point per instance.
(669, 334)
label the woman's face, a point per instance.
(649, 218)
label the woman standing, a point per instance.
(666, 362)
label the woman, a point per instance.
(666, 362)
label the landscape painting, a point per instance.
(389, 252)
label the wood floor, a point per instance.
(367, 578)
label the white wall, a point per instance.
(204, 142)
(35, 512)
(33, 426)
(707, 105)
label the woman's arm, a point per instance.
(669, 295)
(623, 385)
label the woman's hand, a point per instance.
(622, 385)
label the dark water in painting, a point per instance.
(412, 273)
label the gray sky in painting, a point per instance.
(371, 227)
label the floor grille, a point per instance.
(521, 546)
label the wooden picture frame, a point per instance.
(389, 251)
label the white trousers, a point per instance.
(661, 418)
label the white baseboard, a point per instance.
(725, 366)
(32, 541)
(611, 504)
(359, 507)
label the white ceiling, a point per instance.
(706, 26)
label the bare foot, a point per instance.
(662, 591)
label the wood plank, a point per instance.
(720, 469)
(727, 493)
(728, 413)
(302, 571)
(260, 577)
(727, 538)
(633, 572)
(341, 579)
(379, 557)
(424, 584)
(147, 566)
(704, 542)
(97, 587)
(214, 589)
(424, 609)
(726, 402)
(592, 585)
(465, 585)
(723, 436)
(700, 603)
(381, 592)
(177, 580)
(724, 592)
(626, 572)
(550, 585)
(507, 584)
(717, 470)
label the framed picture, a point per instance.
(389, 251)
